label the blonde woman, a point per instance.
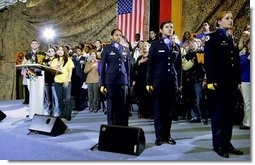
(144, 98)
(244, 39)
(246, 84)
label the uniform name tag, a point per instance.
(112, 53)
(224, 43)
(161, 51)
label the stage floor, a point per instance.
(193, 139)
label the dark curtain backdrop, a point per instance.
(154, 15)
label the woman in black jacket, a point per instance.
(222, 66)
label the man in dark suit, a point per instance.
(115, 79)
(163, 81)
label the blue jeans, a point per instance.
(50, 101)
(195, 109)
(64, 100)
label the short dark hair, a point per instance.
(113, 31)
(163, 23)
(34, 40)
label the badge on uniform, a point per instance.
(207, 38)
(116, 45)
(161, 51)
(166, 40)
(224, 43)
(112, 53)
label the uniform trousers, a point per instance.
(223, 99)
(117, 111)
(163, 105)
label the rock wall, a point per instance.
(74, 20)
(196, 12)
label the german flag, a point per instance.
(162, 10)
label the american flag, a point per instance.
(131, 18)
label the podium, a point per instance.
(36, 93)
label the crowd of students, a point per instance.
(190, 77)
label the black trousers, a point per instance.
(164, 101)
(79, 94)
(117, 111)
(223, 99)
(26, 94)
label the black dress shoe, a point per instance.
(158, 142)
(25, 102)
(233, 150)
(205, 121)
(221, 152)
(171, 141)
(244, 127)
(195, 120)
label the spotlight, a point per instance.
(49, 33)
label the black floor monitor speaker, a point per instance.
(2, 115)
(121, 139)
(47, 125)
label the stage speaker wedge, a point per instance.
(121, 139)
(2, 115)
(47, 125)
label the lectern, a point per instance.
(36, 93)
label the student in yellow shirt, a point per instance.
(63, 81)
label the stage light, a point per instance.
(49, 34)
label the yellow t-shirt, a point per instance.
(65, 76)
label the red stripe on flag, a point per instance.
(132, 23)
(164, 10)
(134, 13)
(142, 20)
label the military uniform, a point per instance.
(222, 66)
(164, 74)
(115, 76)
